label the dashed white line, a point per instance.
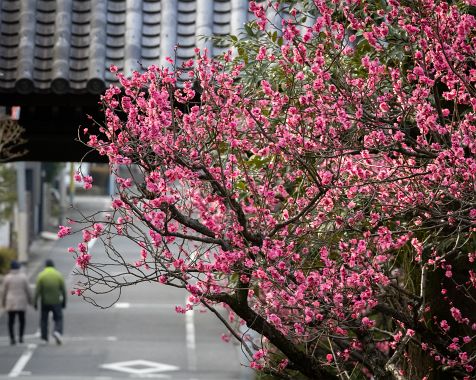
(122, 305)
(190, 339)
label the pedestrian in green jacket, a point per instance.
(51, 290)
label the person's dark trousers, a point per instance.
(57, 311)
(11, 324)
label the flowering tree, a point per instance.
(319, 183)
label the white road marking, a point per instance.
(22, 361)
(148, 367)
(170, 306)
(122, 305)
(91, 243)
(47, 235)
(190, 331)
(190, 339)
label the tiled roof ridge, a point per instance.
(66, 46)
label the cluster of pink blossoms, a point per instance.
(329, 204)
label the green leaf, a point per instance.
(249, 30)
(274, 36)
(241, 185)
(258, 162)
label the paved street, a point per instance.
(141, 336)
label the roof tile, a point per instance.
(151, 6)
(10, 6)
(116, 6)
(10, 29)
(10, 17)
(46, 5)
(186, 6)
(9, 41)
(9, 54)
(82, 6)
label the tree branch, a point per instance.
(306, 364)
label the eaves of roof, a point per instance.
(67, 46)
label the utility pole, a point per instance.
(112, 186)
(22, 213)
(71, 183)
(62, 195)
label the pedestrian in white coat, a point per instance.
(16, 297)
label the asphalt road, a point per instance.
(141, 336)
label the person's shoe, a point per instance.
(43, 342)
(12, 342)
(20, 340)
(58, 337)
